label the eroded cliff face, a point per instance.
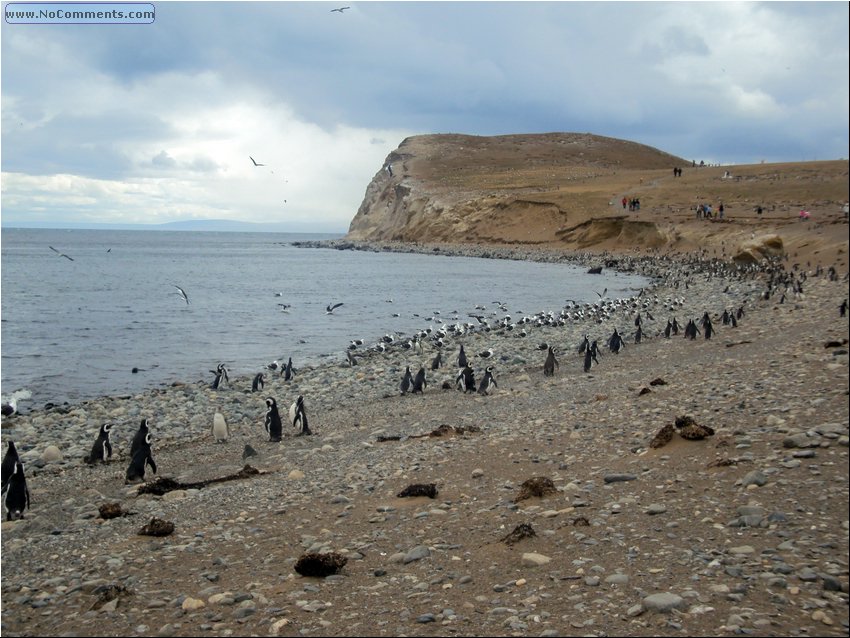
(532, 189)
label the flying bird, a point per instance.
(255, 161)
(340, 10)
(60, 253)
(331, 307)
(182, 293)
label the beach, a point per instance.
(744, 531)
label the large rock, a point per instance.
(760, 248)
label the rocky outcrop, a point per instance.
(512, 188)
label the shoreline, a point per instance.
(625, 522)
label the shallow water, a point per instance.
(74, 330)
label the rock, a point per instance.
(296, 475)
(656, 508)
(532, 559)
(192, 604)
(619, 477)
(417, 553)
(664, 602)
(51, 454)
(756, 477)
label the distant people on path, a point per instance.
(625, 202)
(759, 210)
(677, 172)
(720, 210)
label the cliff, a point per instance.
(564, 190)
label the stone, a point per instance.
(664, 602)
(533, 559)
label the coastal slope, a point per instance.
(565, 191)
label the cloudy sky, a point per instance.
(155, 123)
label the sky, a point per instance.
(155, 123)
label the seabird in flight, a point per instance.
(182, 293)
(60, 254)
(331, 307)
(340, 10)
(255, 161)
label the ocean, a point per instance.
(74, 329)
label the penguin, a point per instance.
(219, 428)
(419, 383)
(141, 457)
(9, 460)
(488, 382)
(585, 344)
(298, 417)
(733, 320)
(705, 319)
(221, 378)
(588, 359)
(842, 309)
(466, 378)
(406, 381)
(461, 358)
(258, 382)
(709, 329)
(288, 371)
(437, 361)
(351, 360)
(273, 425)
(615, 342)
(142, 434)
(16, 494)
(675, 326)
(551, 363)
(102, 448)
(668, 329)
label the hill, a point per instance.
(564, 190)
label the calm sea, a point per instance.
(74, 330)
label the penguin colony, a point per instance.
(781, 284)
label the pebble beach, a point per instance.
(742, 532)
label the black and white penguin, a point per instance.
(420, 383)
(488, 382)
(466, 379)
(16, 495)
(139, 459)
(588, 360)
(221, 378)
(102, 448)
(298, 417)
(668, 329)
(486, 354)
(584, 345)
(615, 342)
(437, 361)
(406, 381)
(675, 326)
(351, 360)
(142, 434)
(638, 334)
(708, 327)
(288, 371)
(461, 358)
(551, 363)
(219, 428)
(9, 460)
(272, 423)
(10, 407)
(258, 382)
(842, 309)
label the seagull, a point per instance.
(182, 293)
(604, 292)
(340, 10)
(60, 254)
(329, 310)
(255, 161)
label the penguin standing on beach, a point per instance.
(668, 329)
(221, 378)
(488, 382)
(675, 326)
(466, 379)
(615, 342)
(219, 428)
(272, 423)
(140, 458)
(842, 309)
(351, 360)
(585, 344)
(419, 382)
(298, 417)
(288, 371)
(551, 363)
(461, 358)
(638, 334)
(9, 460)
(258, 382)
(406, 381)
(707, 327)
(437, 361)
(102, 448)
(16, 494)
(142, 434)
(588, 360)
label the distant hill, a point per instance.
(564, 190)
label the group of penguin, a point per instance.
(465, 379)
